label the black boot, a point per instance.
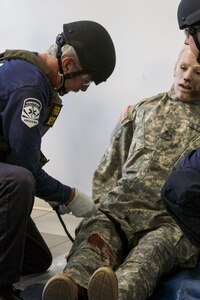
(8, 292)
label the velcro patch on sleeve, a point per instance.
(31, 112)
(124, 114)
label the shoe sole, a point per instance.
(60, 287)
(103, 285)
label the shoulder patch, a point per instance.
(31, 112)
(124, 114)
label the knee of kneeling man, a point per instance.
(24, 178)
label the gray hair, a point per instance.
(67, 50)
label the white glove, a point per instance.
(80, 206)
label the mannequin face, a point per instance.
(187, 77)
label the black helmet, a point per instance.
(188, 13)
(93, 46)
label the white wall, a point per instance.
(147, 41)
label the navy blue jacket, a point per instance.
(24, 98)
(191, 160)
(181, 195)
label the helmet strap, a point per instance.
(60, 41)
(68, 76)
(62, 88)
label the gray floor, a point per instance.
(51, 229)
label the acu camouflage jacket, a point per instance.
(146, 146)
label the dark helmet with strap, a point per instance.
(189, 17)
(94, 48)
(188, 13)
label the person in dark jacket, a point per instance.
(30, 85)
(189, 20)
(181, 192)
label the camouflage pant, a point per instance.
(152, 254)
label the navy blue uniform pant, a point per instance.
(181, 195)
(22, 248)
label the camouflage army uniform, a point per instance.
(143, 242)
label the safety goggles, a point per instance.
(87, 80)
(191, 30)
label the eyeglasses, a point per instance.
(192, 30)
(87, 80)
(189, 31)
